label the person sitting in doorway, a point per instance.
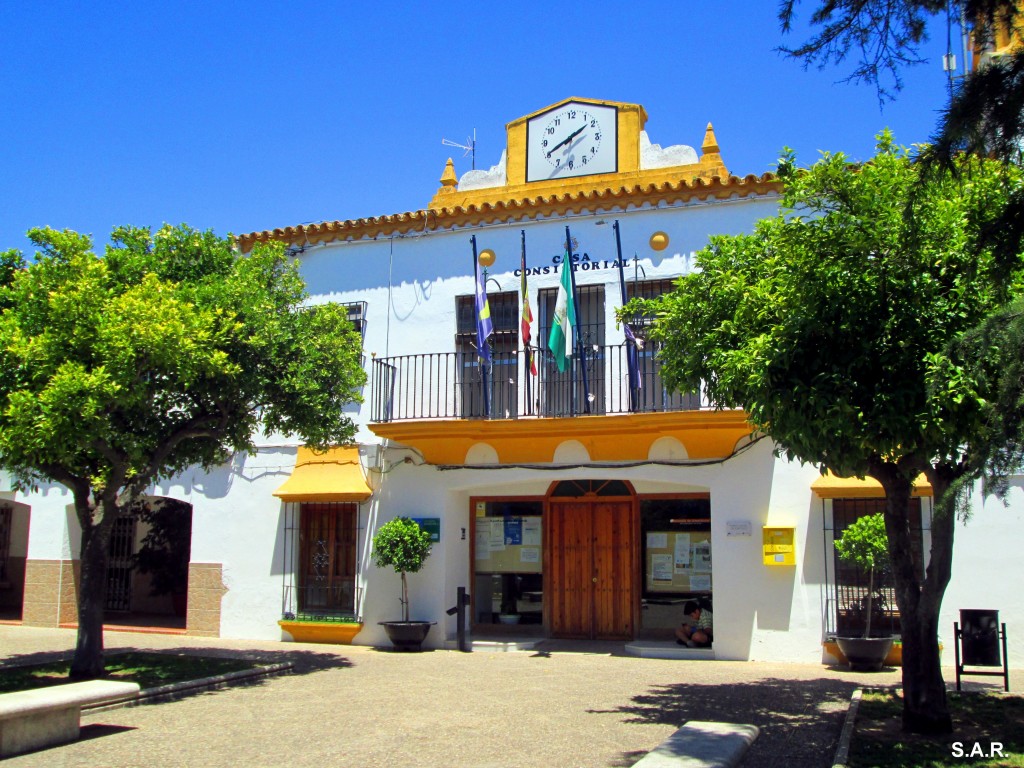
(699, 632)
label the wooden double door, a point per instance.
(593, 589)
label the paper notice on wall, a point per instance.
(483, 540)
(702, 556)
(531, 531)
(700, 582)
(657, 540)
(529, 555)
(661, 569)
(497, 531)
(513, 531)
(682, 552)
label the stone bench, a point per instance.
(45, 717)
(701, 744)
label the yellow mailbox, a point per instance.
(779, 547)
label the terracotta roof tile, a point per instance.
(509, 210)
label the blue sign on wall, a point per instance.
(431, 525)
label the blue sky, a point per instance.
(249, 116)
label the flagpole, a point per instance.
(632, 364)
(481, 362)
(581, 350)
(523, 298)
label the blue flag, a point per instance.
(484, 326)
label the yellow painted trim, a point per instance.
(894, 659)
(622, 437)
(829, 486)
(333, 632)
(629, 187)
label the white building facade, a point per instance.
(589, 503)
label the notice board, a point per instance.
(508, 545)
(678, 562)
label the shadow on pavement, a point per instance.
(800, 720)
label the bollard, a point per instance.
(462, 601)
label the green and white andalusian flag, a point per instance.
(562, 340)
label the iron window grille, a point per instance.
(321, 562)
(503, 375)
(847, 602)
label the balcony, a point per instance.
(446, 403)
(453, 385)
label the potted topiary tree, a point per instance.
(404, 546)
(865, 544)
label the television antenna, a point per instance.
(469, 147)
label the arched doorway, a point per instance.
(14, 525)
(147, 571)
(592, 559)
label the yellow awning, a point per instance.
(332, 476)
(829, 486)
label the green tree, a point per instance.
(864, 543)
(985, 113)
(405, 547)
(828, 325)
(172, 350)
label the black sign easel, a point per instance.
(977, 639)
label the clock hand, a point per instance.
(567, 139)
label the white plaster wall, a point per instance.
(237, 522)
(427, 271)
(54, 533)
(987, 571)
(20, 517)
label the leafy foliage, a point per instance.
(402, 545)
(172, 350)
(882, 37)
(864, 543)
(832, 324)
(821, 322)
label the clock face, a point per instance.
(572, 140)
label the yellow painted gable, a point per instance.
(631, 121)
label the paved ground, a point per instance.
(563, 705)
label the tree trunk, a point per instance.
(92, 596)
(405, 598)
(925, 709)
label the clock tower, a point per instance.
(574, 146)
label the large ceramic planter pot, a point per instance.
(865, 654)
(407, 635)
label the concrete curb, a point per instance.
(177, 690)
(843, 749)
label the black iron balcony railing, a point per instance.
(454, 385)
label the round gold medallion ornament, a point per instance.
(659, 241)
(486, 258)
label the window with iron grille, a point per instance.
(357, 315)
(647, 289)
(581, 387)
(851, 581)
(323, 585)
(654, 395)
(502, 379)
